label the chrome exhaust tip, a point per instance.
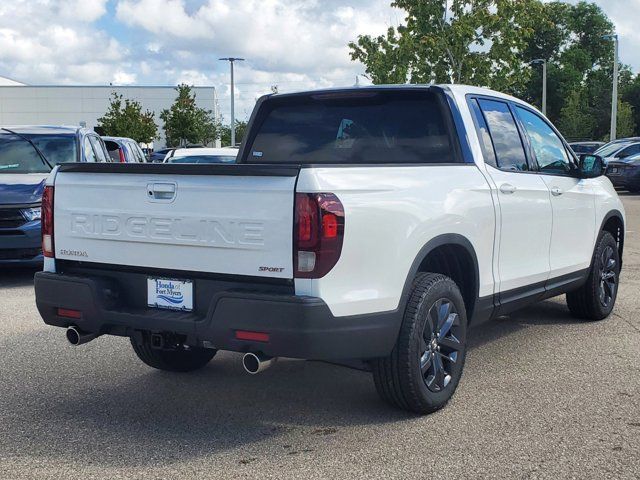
(255, 363)
(76, 337)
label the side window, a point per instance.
(98, 149)
(505, 136)
(483, 134)
(89, 155)
(547, 146)
(630, 150)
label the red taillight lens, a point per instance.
(47, 222)
(122, 159)
(319, 227)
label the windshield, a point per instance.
(56, 148)
(18, 156)
(203, 159)
(353, 127)
(611, 148)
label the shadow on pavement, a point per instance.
(98, 405)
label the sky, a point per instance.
(294, 44)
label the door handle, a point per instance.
(161, 191)
(555, 191)
(507, 188)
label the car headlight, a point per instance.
(32, 214)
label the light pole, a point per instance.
(544, 82)
(614, 92)
(233, 117)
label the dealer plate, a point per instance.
(170, 294)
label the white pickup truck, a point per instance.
(371, 224)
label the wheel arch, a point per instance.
(613, 222)
(452, 255)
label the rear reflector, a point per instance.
(252, 336)
(47, 222)
(319, 232)
(65, 312)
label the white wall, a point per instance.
(71, 105)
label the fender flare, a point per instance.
(611, 214)
(430, 246)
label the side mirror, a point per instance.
(591, 166)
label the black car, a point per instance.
(625, 173)
(585, 147)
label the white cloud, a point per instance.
(294, 44)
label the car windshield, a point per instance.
(203, 159)
(347, 128)
(56, 148)
(611, 148)
(18, 156)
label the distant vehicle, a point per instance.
(124, 150)
(619, 149)
(159, 155)
(27, 154)
(585, 147)
(625, 173)
(203, 155)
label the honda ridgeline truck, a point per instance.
(372, 223)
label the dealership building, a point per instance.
(82, 105)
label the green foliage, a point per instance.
(491, 43)
(576, 121)
(186, 123)
(626, 125)
(225, 137)
(125, 118)
(476, 42)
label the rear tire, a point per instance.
(180, 359)
(425, 366)
(597, 297)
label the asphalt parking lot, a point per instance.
(543, 396)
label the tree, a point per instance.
(472, 41)
(631, 95)
(576, 121)
(125, 118)
(225, 136)
(185, 122)
(626, 125)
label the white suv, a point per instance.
(365, 223)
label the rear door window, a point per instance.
(505, 137)
(98, 149)
(89, 154)
(352, 128)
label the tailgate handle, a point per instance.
(161, 191)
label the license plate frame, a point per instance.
(170, 294)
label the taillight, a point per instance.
(319, 231)
(47, 222)
(122, 159)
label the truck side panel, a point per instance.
(391, 212)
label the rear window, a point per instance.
(351, 128)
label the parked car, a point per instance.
(27, 154)
(625, 173)
(585, 147)
(124, 150)
(159, 155)
(619, 149)
(368, 223)
(203, 155)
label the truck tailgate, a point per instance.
(229, 219)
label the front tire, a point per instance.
(178, 359)
(597, 297)
(425, 366)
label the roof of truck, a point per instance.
(44, 129)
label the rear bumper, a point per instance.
(298, 327)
